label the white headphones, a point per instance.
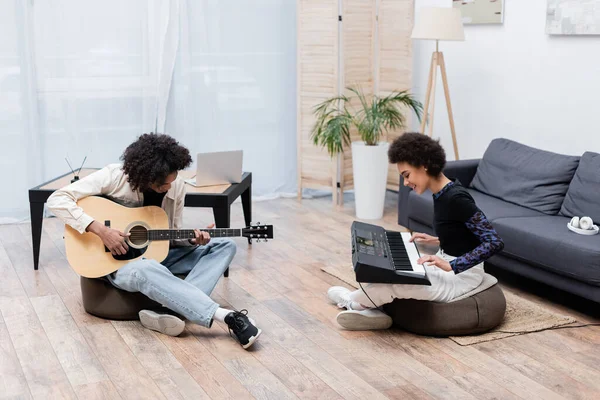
(584, 223)
(583, 226)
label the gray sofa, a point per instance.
(529, 195)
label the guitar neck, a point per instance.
(170, 234)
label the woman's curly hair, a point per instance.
(418, 150)
(151, 158)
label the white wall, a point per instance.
(515, 81)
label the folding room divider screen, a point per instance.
(345, 43)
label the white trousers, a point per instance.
(445, 286)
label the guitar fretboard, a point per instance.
(169, 234)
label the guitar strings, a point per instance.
(160, 234)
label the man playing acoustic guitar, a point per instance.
(148, 177)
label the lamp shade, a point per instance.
(439, 23)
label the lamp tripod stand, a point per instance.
(437, 59)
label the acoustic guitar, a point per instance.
(149, 236)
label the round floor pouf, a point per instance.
(476, 314)
(102, 299)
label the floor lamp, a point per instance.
(437, 23)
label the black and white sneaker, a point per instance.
(243, 328)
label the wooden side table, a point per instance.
(219, 198)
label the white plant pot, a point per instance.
(370, 169)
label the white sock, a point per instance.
(353, 305)
(221, 313)
(350, 304)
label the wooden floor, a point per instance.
(50, 348)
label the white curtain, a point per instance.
(83, 78)
(19, 141)
(234, 86)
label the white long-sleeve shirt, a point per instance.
(111, 182)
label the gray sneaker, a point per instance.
(365, 320)
(163, 323)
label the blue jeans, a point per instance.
(188, 297)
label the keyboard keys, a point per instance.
(400, 258)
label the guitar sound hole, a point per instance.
(139, 235)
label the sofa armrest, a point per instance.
(403, 193)
(463, 170)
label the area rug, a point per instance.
(522, 315)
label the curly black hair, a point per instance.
(151, 158)
(418, 150)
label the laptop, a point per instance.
(217, 168)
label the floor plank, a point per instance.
(50, 347)
(210, 374)
(254, 376)
(555, 357)
(364, 359)
(13, 384)
(481, 387)
(170, 376)
(35, 283)
(500, 373)
(538, 371)
(42, 369)
(10, 285)
(324, 367)
(30, 366)
(407, 391)
(125, 371)
(77, 359)
(103, 390)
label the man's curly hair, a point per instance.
(418, 150)
(151, 158)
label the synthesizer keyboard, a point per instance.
(382, 256)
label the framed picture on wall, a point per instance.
(573, 17)
(480, 11)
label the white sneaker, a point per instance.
(163, 323)
(365, 320)
(340, 296)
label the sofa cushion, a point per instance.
(495, 208)
(421, 207)
(546, 241)
(523, 175)
(582, 197)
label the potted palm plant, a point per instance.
(375, 116)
